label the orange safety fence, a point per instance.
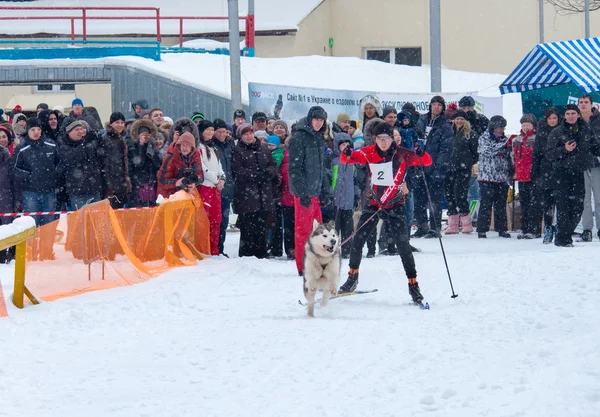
(98, 248)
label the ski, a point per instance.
(344, 294)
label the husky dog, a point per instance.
(322, 263)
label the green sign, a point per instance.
(331, 42)
(537, 101)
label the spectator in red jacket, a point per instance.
(531, 215)
(182, 168)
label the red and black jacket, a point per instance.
(387, 196)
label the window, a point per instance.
(54, 88)
(398, 56)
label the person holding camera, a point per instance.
(254, 170)
(182, 168)
(571, 148)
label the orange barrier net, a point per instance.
(98, 248)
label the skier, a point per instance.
(387, 164)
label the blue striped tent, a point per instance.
(555, 63)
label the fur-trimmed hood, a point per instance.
(135, 127)
(18, 130)
(185, 123)
(368, 130)
(369, 99)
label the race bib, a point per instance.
(427, 132)
(382, 174)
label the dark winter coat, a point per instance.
(464, 151)
(306, 161)
(34, 165)
(479, 122)
(80, 167)
(582, 157)
(342, 182)
(115, 165)
(225, 150)
(170, 171)
(144, 160)
(541, 167)
(595, 127)
(494, 158)
(438, 143)
(254, 170)
(7, 203)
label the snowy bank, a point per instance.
(19, 225)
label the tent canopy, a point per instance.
(549, 64)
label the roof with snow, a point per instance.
(270, 15)
(555, 63)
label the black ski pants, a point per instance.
(457, 191)
(344, 224)
(531, 208)
(570, 194)
(396, 215)
(436, 191)
(493, 196)
(253, 234)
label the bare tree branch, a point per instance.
(567, 7)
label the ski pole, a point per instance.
(436, 227)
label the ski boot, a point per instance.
(351, 283)
(414, 291)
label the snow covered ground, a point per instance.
(227, 338)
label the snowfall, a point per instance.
(228, 338)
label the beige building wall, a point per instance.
(96, 95)
(477, 35)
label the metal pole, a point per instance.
(541, 16)
(234, 55)
(435, 45)
(250, 7)
(587, 18)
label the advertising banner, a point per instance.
(292, 103)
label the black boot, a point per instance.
(504, 234)
(415, 292)
(481, 235)
(351, 283)
(421, 231)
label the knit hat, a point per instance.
(466, 101)
(86, 125)
(438, 99)
(33, 122)
(529, 118)
(317, 112)
(353, 124)
(203, 125)
(239, 113)
(42, 106)
(258, 116)
(281, 123)
(188, 138)
(383, 129)
(342, 117)
(143, 129)
(273, 140)
(59, 108)
(17, 109)
(72, 126)
(219, 124)
(459, 113)
(496, 122)
(21, 117)
(77, 101)
(197, 117)
(261, 134)
(572, 107)
(387, 110)
(116, 116)
(244, 127)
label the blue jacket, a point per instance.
(342, 177)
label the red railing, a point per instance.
(249, 20)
